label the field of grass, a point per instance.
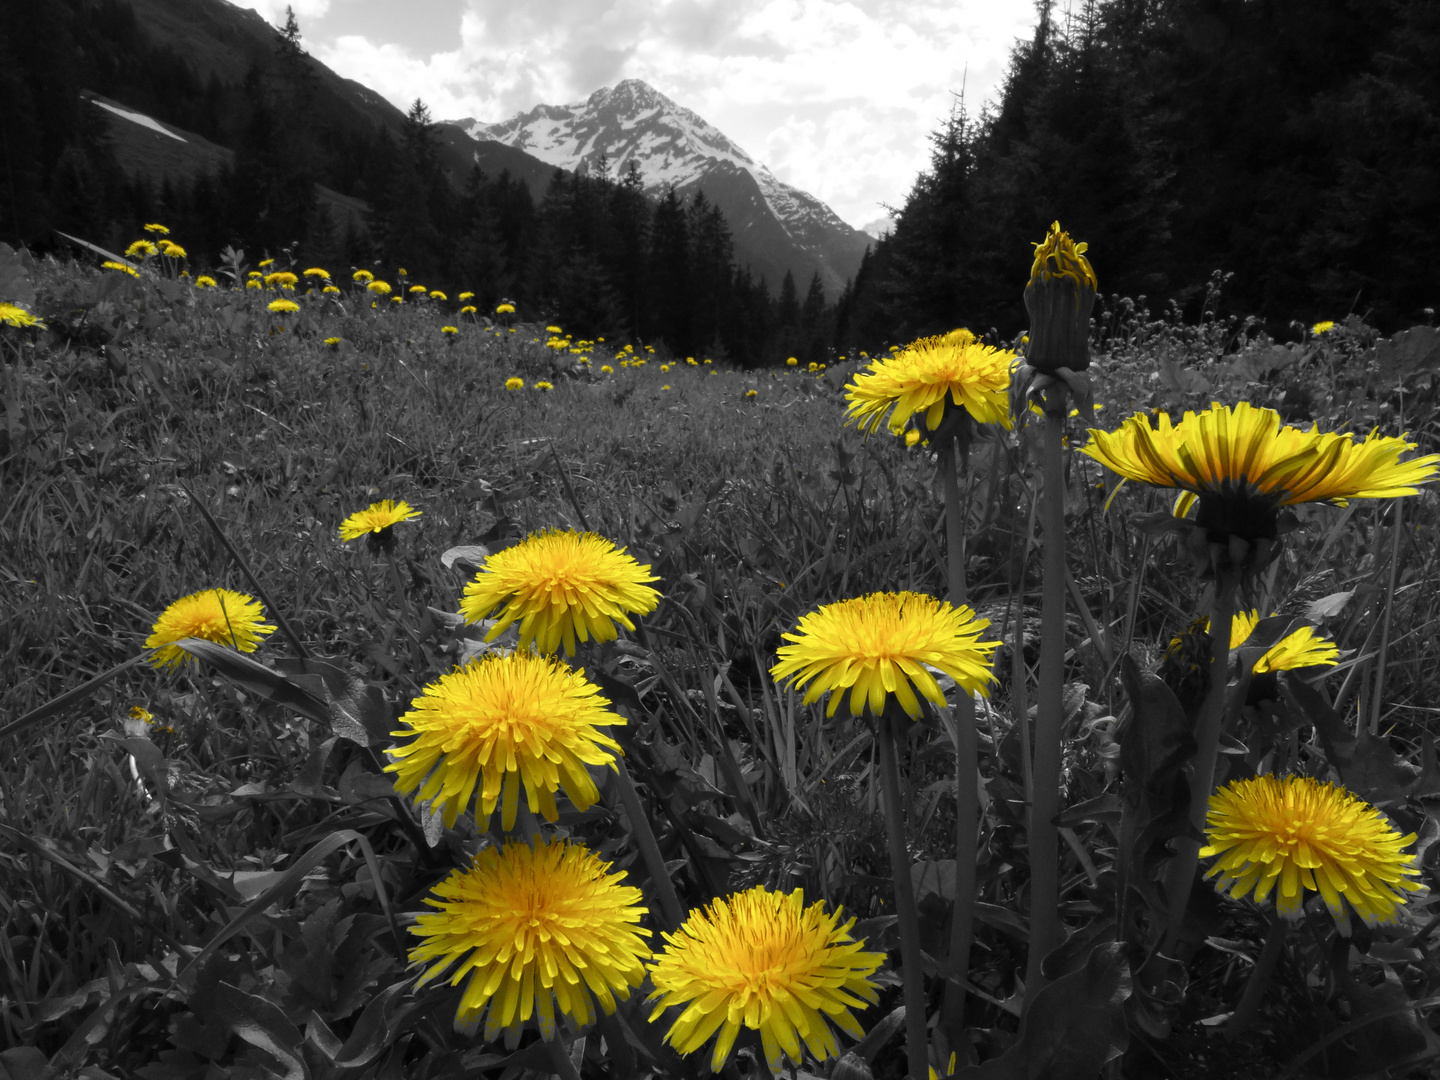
(205, 873)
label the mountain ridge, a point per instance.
(777, 227)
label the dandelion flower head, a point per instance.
(160, 230)
(1242, 465)
(1298, 649)
(928, 373)
(219, 615)
(468, 309)
(558, 585)
(886, 643)
(15, 315)
(378, 517)
(172, 249)
(281, 306)
(466, 296)
(380, 288)
(505, 723)
(1295, 834)
(537, 930)
(765, 960)
(362, 275)
(504, 309)
(514, 383)
(205, 281)
(317, 272)
(124, 268)
(143, 248)
(449, 329)
(1322, 327)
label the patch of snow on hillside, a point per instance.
(138, 118)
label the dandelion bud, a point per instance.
(1059, 299)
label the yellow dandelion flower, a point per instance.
(362, 275)
(764, 959)
(1243, 466)
(505, 723)
(160, 230)
(316, 272)
(124, 268)
(333, 342)
(380, 288)
(1297, 649)
(330, 290)
(553, 330)
(254, 283)
(606, 369)
(514, 383)
(449, 329)
(560, 584)
(376, 520)
(281, 277)
(1300, 834)
(205, 281)
(538, 930)
(417, 288)
(1322, 327)
(882, 644)
(171, 249)
(952, 368)
(468, 309)
(912, 437)
(791, 362)
(279, 306)
(466, 296)
(752, 393)
(143, 248)
(218, 615)
(15, 315)
(402, 272)
(436, 294)
(505, 309)
(265, 262)
(544, 385)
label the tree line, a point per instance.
(1293, 143)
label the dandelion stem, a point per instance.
(1259, 980)
(649, 847)
(1181, 875)
(967, 794)
(913, 968)
(1044, 840)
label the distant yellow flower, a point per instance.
(255, 274)
(466, 296)
(316, 272)
(265, 262)
(143, 248)
(254, 283)
(280, 306)
(752, 393)
(506, 723)
(1299, 834)
(1059, 298)
(173, 250)
(332, 341)
(329, 290)
(505, 309)
(912, 437)
(791, 362)
(417, 288)
(362, 275)
(15, 315)
(764, 959)
(1243, 466)
(436, 294)
(205, 281)
(514, 383)
(886, 643)
(218, 615)
(553, 330)
(397, 299)
(449, 329)
(468, 309)
(381, 288)
(606, 369)
(376, 521)
(401, 272)
(559, 584)
(281, 277)
(159, 229)
(692, 361)
(1322, 327)
(543, 385)
(536, 929)
(124, 268)
(929, 374)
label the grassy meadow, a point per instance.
(204, 872)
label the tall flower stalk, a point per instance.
(1059, 298)
(880, 648)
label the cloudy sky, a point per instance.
(837, 97)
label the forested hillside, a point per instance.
(1295, 143)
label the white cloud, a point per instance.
(838, 97)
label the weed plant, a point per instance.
(207, 873)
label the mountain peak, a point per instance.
(677, 148)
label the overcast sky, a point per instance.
(837, 98)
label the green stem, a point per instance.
(1181, 875)
(967, 791)
(560, 1059)
(649, 848)
(1259, 981)
(913, 968)
(1045, 932)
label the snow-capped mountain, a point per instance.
(776, 227)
